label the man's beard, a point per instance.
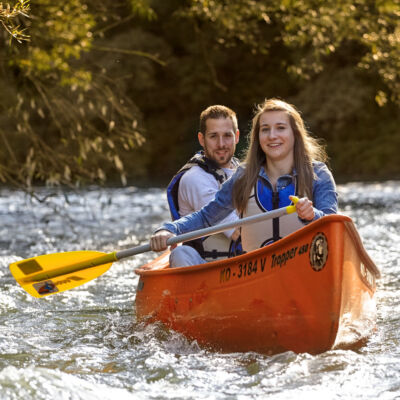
(221, 161)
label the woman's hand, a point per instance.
(305, 209)
(158, 241)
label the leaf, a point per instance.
(118, 163)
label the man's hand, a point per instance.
(305, 209)
(158, 241)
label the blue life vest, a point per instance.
(203, 162)
(268, 200)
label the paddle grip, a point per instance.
(292, 209)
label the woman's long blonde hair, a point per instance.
(306, 150)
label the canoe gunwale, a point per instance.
(364, 256)
(146, 269)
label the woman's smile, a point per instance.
(276, 136)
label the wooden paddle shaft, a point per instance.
(209, 231)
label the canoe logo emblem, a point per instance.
(318, 251)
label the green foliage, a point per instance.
(61, 34)
(9, 19)
(323, 27)
(142, 9)
(99, 79)
(312, 29)
(232, 22)
(69, 122)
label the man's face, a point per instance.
(219, 140)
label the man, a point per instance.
(196, 183)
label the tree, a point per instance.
(67, 121)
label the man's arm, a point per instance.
(196, 189)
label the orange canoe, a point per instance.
(309, 292)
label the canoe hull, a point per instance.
(305, 293)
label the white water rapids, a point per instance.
(86, 344)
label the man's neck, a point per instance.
(227, 166)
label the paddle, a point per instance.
(54, 273)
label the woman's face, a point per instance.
(276, 136)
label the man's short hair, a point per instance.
(215, 112)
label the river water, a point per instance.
(86, 344)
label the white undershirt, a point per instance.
(196, 189)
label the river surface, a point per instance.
(86, 344)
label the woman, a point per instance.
(282, 160)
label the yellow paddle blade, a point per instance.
(54, 273)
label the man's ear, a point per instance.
(237, 134)
(200, 136)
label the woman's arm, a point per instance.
(325, 197)
(209, 215)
